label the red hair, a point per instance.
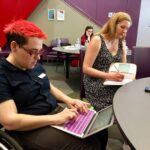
(24, 28)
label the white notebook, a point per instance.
(82, 128)
(128, 69)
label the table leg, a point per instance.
(67, 66)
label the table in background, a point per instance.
(67, 52)
(131, 106)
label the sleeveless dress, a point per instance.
(97, 94)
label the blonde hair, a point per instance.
(109, 28)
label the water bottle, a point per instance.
(58, 42)
(78, 43)
(86, 43)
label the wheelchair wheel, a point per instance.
(8, 143)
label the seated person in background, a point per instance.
(28, 103)
(86, 37)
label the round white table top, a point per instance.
(68, 49)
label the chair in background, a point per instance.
(82, 90)
(4, 51)
(75, 60)
(141, 57)
(48, 54)
(60, 56)
(64, 42)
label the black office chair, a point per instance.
(60, 57)
(141, 57)
(7, 142)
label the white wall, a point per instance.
(72, 27)
(143, 37)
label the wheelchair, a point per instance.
(7, 142)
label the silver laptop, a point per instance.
(98, 121)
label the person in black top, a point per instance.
(28, 101)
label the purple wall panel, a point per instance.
(105, 6)
(97, 11)
(133, 8)
(85, 7)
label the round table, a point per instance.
(67, 50)
(131, 106)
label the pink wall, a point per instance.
(14, 9)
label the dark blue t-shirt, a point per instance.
(30, 89)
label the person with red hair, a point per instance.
(28, 100)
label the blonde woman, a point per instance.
(106, 47)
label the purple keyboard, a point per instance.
(79, 125)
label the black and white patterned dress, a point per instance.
(97, 94)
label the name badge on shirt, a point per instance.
(42, 75)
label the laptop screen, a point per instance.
(102, 121)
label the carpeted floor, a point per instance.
(71, 87)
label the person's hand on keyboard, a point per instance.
(82, 121)
(78, 104)
(65, 116)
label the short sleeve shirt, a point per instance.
(30, 89)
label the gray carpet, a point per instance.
(63, 86)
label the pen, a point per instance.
(116, 68)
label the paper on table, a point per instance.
(108, 82)
(72, 47)
(128, 69)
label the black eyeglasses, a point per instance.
(33, 51)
